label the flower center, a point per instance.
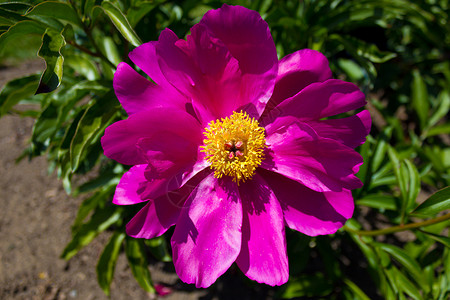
(234, 146)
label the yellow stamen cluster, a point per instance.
(234, 146)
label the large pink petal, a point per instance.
(121, 139)
(263, 255)
(296, 71)
(161, 213)
(248, 38)
(307, 211)
(207, 237)
(146, 59)
(203, 69)
(351, 131)
(131, 185)
(321, 164)
(320, 100)
(135, 93)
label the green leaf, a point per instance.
(358, 294)
(408, 262)
(406, 285)
(419, 95)
(17, 90)
(57, 10)
(158, 248)
(436, 203)
(439, 129)
(442, 109)
(84, 65)
(378, 201)
(311, 285)
(135, 252)
(91, 203)
(96, 118)
(413, 183)
(19, 30)
(441, 239)
(100, 221)
(120, 21)
(107, 262)
(52, 42)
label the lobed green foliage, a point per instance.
(397, 51)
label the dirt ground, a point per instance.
(35, 219)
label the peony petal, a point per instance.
(307, 211)
(217, 93)
(248, 38)
(351, 131)
(320, 100)
(296, 151)
(161, 213)
(207, 237)
(263, 255)
(296, 71)
(120, 141)
(136, 93)
(146, 59)
(131, 185)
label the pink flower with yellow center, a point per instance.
(230, 145)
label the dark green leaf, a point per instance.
(158, 248)
(436, 203)
(52, 42)
(97, 117)
(408, 262)
(107, 262)
(311, 285)
(135, 252)
(406, 285)
(420, 101)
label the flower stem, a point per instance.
(399, 227)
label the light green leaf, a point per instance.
(17, 90)
(19, 30)
(99, 222)
(135, 252)
(436, 203)
(378, 201)
(419, 97)
(442, 109)
(52, 42)
(439, 129)
(57, 10)
(120, 21)
(83, 65)
(107, 262)
(357, 292)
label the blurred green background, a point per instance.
(396, 51)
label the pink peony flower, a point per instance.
(230, 145)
